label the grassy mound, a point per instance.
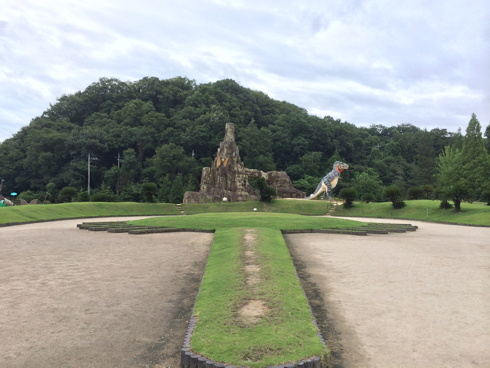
(281, 221)
(295, 206)
(425, 210)
(46, 212)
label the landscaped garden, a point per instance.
(251, 310)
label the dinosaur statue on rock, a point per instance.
(329, 181)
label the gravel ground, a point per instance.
(418, 299)
(73, 298)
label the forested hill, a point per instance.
(165, 131)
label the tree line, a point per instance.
(148, 140)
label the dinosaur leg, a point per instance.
(328, 190)
(319, 190)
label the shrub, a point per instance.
(445, 205)
(83, 196)
(67, 194)
(399, 204)
(265, 190)
(415, 193)
(149, 191)
(368, 197)
(104, 194)
(486, 196)
(393, 193)
(348, 195)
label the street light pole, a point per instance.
(88, 179)
(88, 169)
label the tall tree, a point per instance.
(475, 160)
(451, 185)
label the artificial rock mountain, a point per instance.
(228, 177)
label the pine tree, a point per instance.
(475, 160)
(177, 191)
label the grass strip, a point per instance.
(286, 332)
(46, 212)
(423, 210)
(214, 221)
(293, 206)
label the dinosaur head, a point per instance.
(340, 166)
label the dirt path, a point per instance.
(409, 300)
(73, 298)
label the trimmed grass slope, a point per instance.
(294, 206)
(424, 210)
(212, 221)
(46, 212)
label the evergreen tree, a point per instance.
(177, 190)
(475, 160)
(451, 185)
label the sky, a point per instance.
(388, 62)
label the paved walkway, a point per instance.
(418, 299)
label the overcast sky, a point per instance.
(388, 62)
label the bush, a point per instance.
(415, 193)
(67, 194)
(394, 194)
(104, 194)
(348, 195)
(266, 191)
(29, 195)
(445, 205)
(83, 196)
(149, 191)
(399, 204)
(486, 196)
(368, 197)
(131, 193)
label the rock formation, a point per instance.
(228, 177)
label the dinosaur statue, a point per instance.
(329, 181)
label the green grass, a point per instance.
(47, 212)
(229, 220)
(299, 207)
(425, 210)
(286, 333)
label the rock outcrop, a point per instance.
(227, 179)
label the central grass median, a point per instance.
(280, 328)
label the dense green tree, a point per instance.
(348, 195)
(149, 190)
(255, 147)
(368, 182)
(450, 184)
(174, 126)
(177, 190)
(475, 160)
(67, 194)
(393, 193)
(172, 159)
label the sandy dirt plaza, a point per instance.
(73, 298)
(77, 298)
(418, 299)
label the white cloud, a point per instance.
(365, 61)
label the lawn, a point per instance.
(46, 212)
(296, 206)
(425, 210)
(285, 333)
